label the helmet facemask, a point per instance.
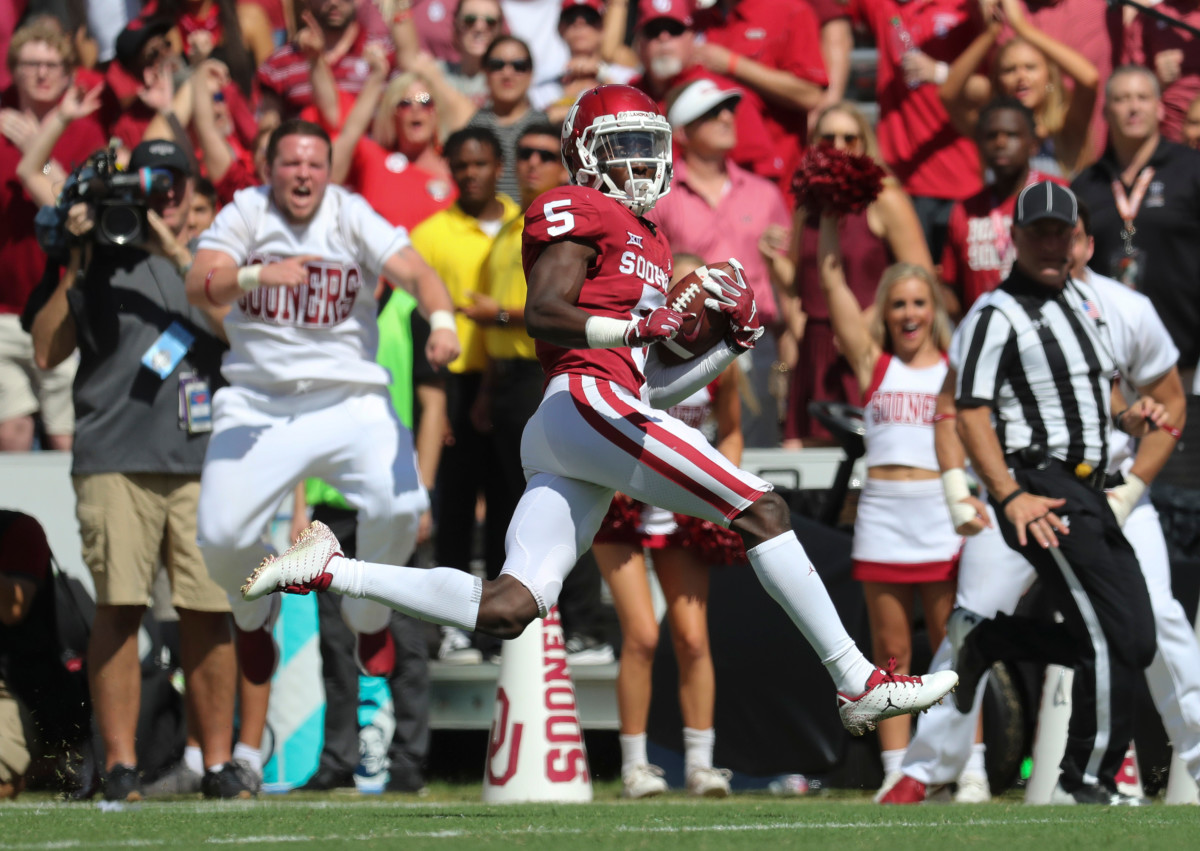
(628, 158)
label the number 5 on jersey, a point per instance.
(564, 220)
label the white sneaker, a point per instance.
(973, 789)
(584, 650)
(456, 648)
(301, 567)
(709, 782)
(888, 695)
(889, 781)
(643, 781)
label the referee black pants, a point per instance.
(1107, 633)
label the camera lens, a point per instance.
(120, 225)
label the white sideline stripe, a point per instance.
(491, 832)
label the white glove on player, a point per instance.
(733, 297)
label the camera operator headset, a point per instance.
(148, 363)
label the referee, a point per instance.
(1034, 356)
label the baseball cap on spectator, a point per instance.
(1045, 200)
(134, 37)
(675, 10)
(698, 98)
(596, 6)
(160, 153)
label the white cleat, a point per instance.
(643, 781)
(301, 567)
(709, 782)
(888, 695)
(973, 789)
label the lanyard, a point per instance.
(1127, 207)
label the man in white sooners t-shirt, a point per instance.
(296, 263)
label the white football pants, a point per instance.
(263, 446)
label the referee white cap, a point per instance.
(1045, 200)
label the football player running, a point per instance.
(598, 274)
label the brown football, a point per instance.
(702, 328)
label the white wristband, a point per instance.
(604, 332)
(940, 72)
(442, 320)
(248, 277)
(956, 489)
(1124, 497)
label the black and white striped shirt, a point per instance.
(1041, 358)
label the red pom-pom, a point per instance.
(835, 182)
(621, 525)
(712, 544)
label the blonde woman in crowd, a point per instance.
(1031, 67)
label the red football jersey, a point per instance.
(979, 252)
(629, 277)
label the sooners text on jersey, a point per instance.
(903, 407)
(324, 301)
(629, 276)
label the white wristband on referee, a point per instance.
(956, 489)
(1124, 497)
(605, 332)
(442, 320)
(248, 277)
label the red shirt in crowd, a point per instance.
(754, 150)
(286, 71)
(401, 192)
(21, 258)
(979, 251)
(434, 20)
(787, 39)
(1146, 38)
(915, 135)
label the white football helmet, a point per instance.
(615, 139)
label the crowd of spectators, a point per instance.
(955, 84)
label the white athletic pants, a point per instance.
(262, 446)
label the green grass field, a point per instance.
(452, 818)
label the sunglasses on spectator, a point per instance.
(671, 27)
(724, 106)
(527, 152)
(847, 138)
(521, 66)
(471, 20)
(424, 99)
(573, 16)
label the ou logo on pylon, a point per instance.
(499, 735)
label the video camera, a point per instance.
(119, 197)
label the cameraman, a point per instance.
(142, 390)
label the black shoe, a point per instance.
(970, 665)
(1095, 794)
(228, 781)
(405, 778)
(123, 783)
(328, 778)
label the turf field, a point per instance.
(451, 818)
